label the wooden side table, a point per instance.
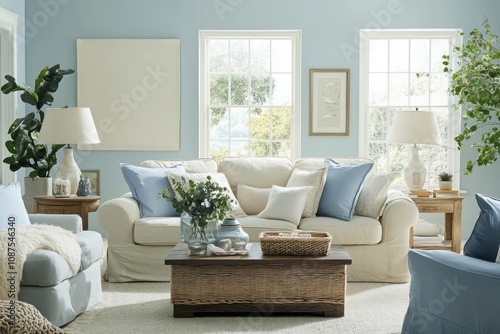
(80, 205)
(451, 206)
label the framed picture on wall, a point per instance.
(329, 102)
(93, 176)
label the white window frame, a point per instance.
(455, 116)
(8, 104)
(204, 121)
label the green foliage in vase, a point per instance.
(477, 86)
(445, 176)
(23, 147)
(201, 200)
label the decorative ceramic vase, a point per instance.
(197, 234)
(230, 229)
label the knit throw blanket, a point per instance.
(14, 249)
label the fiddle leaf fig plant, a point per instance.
(477, 86)
(24, 131)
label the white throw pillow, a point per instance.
(252, 200)
(373, 194)
(216, 177)
(426, 229)
(286, 203)
(12, 210)
(316, 179)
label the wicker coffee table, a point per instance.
(258, 283)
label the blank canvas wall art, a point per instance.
(132, 87)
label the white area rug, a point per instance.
(145, 308)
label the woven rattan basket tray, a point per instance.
(295, 243)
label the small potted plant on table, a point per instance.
(445, 181)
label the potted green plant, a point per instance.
(445, 181)
(475, 84)
(23, 147)
(202, 205)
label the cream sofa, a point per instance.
(138, 246)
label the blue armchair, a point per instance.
(452, 293)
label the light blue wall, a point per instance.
(325, 25)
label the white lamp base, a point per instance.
(70, 168)
(415, 172)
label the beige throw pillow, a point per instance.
(216, 177)
(286, 203)
(373, 194)
(315, 179)
(252, 200)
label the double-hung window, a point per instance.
(403, 70)
(249, 93)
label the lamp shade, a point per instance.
(68, 126)
(415, 127)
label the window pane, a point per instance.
(398, 55)
(282, 93)
(378, 124)
(398, 89)
(239, 55)
(260, 57)
(281, 51)
(239, 123)
(260, 148)
(218, 55)
(419, 90)
(378, 153)
(281, 149)
(439, 89)
(378, 89)
(281, 123)
(260, 124)
(443, 123)
(219, 121)
(219, 89)
(439, 47)
(419, 55)
(219, 149)
(238, 149)
(260, 89)
(239, 90)
(378, 55)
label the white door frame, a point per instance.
(8, 54)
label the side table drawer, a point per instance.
(59, 209)
(437, 207)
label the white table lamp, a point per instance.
(415, 127)
(68, 126)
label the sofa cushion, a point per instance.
(316, 179)
(157, 231)
(252, 200)
(342, 188)
(191, 166)
(47, 268)
(374, 193)
(358, 231)
(219, 178)
(286, 203)
(484, 240)
(146, 184)
(257, 172)
(253, 225)
(12, 205)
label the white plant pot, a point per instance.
(445, 185)
(39, 186)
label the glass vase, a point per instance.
(196, 233)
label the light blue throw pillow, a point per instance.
(484, 240)
(342, 187)
(146, 184)
(12, 210)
